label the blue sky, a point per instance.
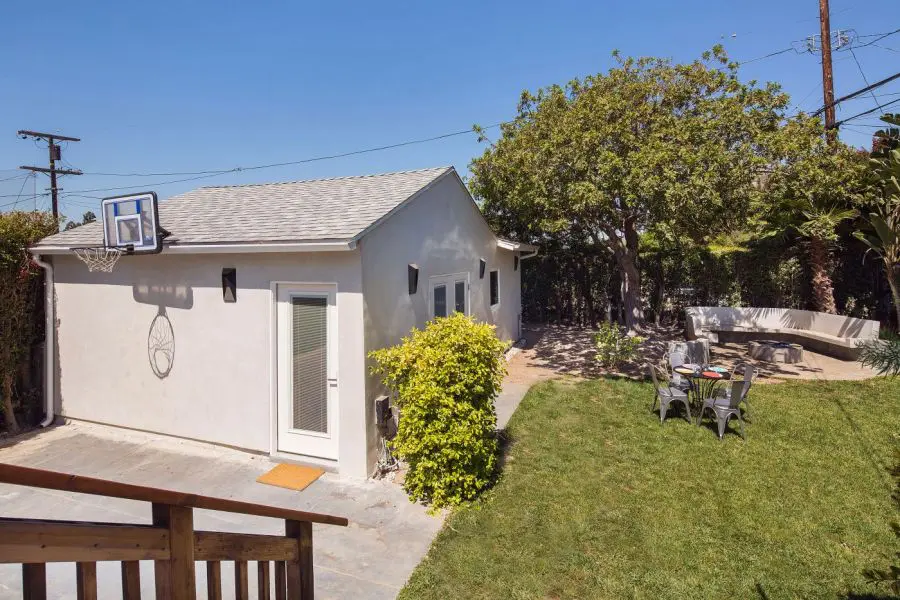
(192, 86)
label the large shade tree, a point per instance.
(649, 141)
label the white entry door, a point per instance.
(448, 294)
(307, 370)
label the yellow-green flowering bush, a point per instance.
(446, 377)
(614, 346)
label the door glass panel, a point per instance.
(461, 297)
(310, 369)
(440, 300)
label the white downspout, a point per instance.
(49, 340)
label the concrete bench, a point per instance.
(833, 335)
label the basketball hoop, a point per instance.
(130, 226)
(99, 258)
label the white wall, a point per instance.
(219, 389)
(443, 232)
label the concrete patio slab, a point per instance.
(372, 558)
(570, 351)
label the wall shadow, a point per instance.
(161, 335)
(161, 344)
(172, 296)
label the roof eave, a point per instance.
(229, 248)
(511, 245)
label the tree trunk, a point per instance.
(12, 426)
(627, 257)
(587, 295)
(890, 271)
(660, 292)
(822, 289)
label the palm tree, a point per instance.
(820, 227)
(884, 218)
(814, 188)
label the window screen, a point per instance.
(440, 300)
(495, 288)
(310, 368)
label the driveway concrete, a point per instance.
(370, 559)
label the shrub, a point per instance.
(19, 291)
(446, 377)
(614, 346)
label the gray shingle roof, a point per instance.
(316, 210)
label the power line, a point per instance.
(880, 37)
(858, 131)
(865, 79)
(26, 176)
(770, 55)
(213, 173)
(20, 190)
(207, 174)
(877, 84)
(868, 112)
(848, 43)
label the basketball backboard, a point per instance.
(131, 223)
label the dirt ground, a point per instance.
(554, 351)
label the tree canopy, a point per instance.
(649, 144)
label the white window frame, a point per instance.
(449, 280)
(497, 271)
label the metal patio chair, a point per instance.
(666, 394)
(676, 359)
(741, 372)
(726, 407)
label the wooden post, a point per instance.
(34, 581)
(214, 580)
(86, 580)
(827, 73)
(131, 580)
(280, 581)
(175, 577)
(241, 583)
(262, 579)
(300, 572)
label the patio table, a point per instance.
(703, 381)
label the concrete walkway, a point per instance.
(523, 370)
(370, 559)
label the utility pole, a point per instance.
(55, 155)
(827, 74)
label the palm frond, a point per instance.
(881, 355)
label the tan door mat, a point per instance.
(292, 477)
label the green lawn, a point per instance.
(597, 500)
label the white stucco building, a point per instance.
(252, 327)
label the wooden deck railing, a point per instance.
(170, 541)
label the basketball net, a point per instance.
(98, 258)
